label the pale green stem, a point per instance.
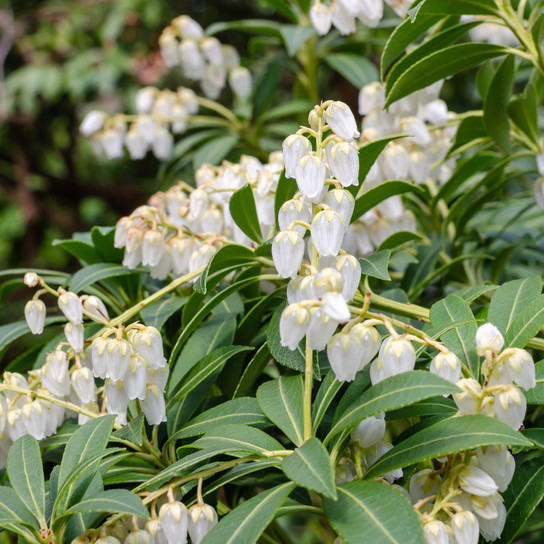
(308, 382)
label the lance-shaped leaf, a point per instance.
(310, 466)
(97, 272)
(119, 501)
(281, 401)
(246, 522)
(376, 265)
(244, 212)
(373, 512)
(446, 437)
(13, 510)
(459, 7)
(326, 393)
(25, 472)
(526, 325)
(395, 392)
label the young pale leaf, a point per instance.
(460, 340)
(237, 438)
(310, 466)
(498, 95)
(373, 197)
(118, 501)
(373, 512)
(511, 299)
(441, 64)
(523, 495)
(97, 272)
(395, 392)
(246, 522)
(358, 70)
(244, 212)
(281, 401)
(446, 437)
(376, 265)
(25, 472)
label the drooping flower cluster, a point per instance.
(505, 374)
(158, 115)
(203, 58)
(343, 14)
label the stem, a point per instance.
(308, 382)
(221, 110)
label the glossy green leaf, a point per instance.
(83, 251)
(373, 512)
(472, 292)
(446, 437)
(325, 395)
(395, 392)
(253, 371)
(460, 340)
(25, 472)
(118, 501)
(158, 313)
(244, 212)
(526, 325)
(13, 509)
(376, 265)
(103, 239)
(98, 272)
(215, 150)
(440, 65)
(12, 331)
(498, 95)
(133, 431)
(358, 70)
(459, 7)
(282, 402)
(399, 239)
(295, 36)
(523, 111)
(310, 466)
(247, 521)
(373, 197)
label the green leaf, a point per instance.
(523, 111)
(25, 472)
(133, 432)
(158, 313)
(358, 70)
(460, 340)
(267, 84)
(498, 95)
(326, 393)
(373, 512)
(283, 8)
(214, 151)
(119, 501)
(103, 238)
(536, 395)
(398, 239)
(373, 197)
(244, 212)
(81, 250)
(470, 132)
(247, 521)
(510, 299)
(446, 437)
(211, 364)
(12, 508)
(310, 466)
(440, 65)
(376, 265)
(287, 109)
(395, 392)
(472, 292)
(459, 7)
(285, 190)
(232, 437)
(12, 331)
(253, 371)
(97, 272)
(526, 325)
(295, 36)
(281, 401)
(240, 411)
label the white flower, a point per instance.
(116, 399)
(344, 354)
(291, 211)
(499, 463)
(55, 375)
(163, 144)
(538, 188)
(467, 399)
(202, 518)
(342, 19)
(370, 12)
(148, 343)
(145, 99)
(510, 406)
(327, 231)
(173, 520)
(35, 316)
(152, 247)
(320, 330)
(310, 174)
(334, 305)
(488, 337)
(491, 529)
(465, 527)
(31, 279)
(33, 417)
(95, 308)
(395, 161)
(74, 336)
(436, 532)
(370, 431)
(153, 405)
(211, 48)
(169, 48)
(397, 356)
(371, 98)
(521, 368)
(342, 202)
(422, 485)
(344, 163)
(136, 144)
(447, 366)
(341, 120)
(350, 269)
(135, 379)
(294, 148)
(117, 359)
(240, 81)
(370, 342)
(321, 18)
(294, 323)
(375, 452)
(83, 384)
(92, 122)
(287, 252)
(475, 481)
(188, 27)
(70, 306)
(112, 143)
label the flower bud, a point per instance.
(152, 247)
(344, 354)
(70, 306)
(163, 144)
(499, 463)
(370, 342)
(139, 537)
(510, 406)
(287, 252)
(35, 316)
(521, 368)
(55, 375)
(334, 305)
(135, 380)
(188, 27)
(144, 99)
(488, 337)
(211, 48)
(136, 144)
(83, 384)
(370, 431)
(468, 398)
(422, 485)
(202, 518)
(341, 120)
(342, 19)
(148, 343)
(436, 532)
(31, 279)
(240, 82)
(342, 202)
(447, 366)
(95, 308)
(475, 481)
(169, 48)
(173, 518)
(321, 18)
(327, 231)
(92, 122)
(344, 163)
(291, 211)
(320, 330)
(310, 174)
(153, 405)
(33, 417)
(117, 359)
(294, 323)
(74, 336)
(294, 148)
(465, 527)
(491, 529)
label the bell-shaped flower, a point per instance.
(154, 528)
(135, 379)
(294, 148)
(294, 323)
(350, 269)
(144, 99)
(499, 463)
(370, 12)
(95, 308)
(491, 529)
(467, 400)
(163, 144)
(321, 18)
(436, 532)
(211, 48)
(375, 452)
(320, 330)
(484, 507)
(371, 98)
(476, 481)
(344, 163)
(327, 280)
(342, 20)
(423, 484)
(287, 252)
(521, 368)
(510, 406)
(342, 202)
(122, 229)
(180, 253)
(15, 426)
(370, 431)
(148, 343)
(419, 167)
(33, 418)
(74, 336)
(99, 356)
(465, 527)
(55, 375)
(136, 144)
(169, 47)
(202, 254)
(447, 366)
(341, 120)
(395, 161)
(240, 82)
(334, 305)
(188, 28)
(192, 62)
(202, 518)
(70, 306)
(416, 128)
(158, 376)
(141, 537)
(83, 384)
(370, 342)
(112, 143)
(116, 397)
(153, 405)
(92, 122)
(117, 359)
(35, 316)
(163, 268)
(488, 337)
(327, 231)
(173, 519)
(294, 210)
(398, 354)
(344, 354)
(310, 174)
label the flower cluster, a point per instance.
(343, 14)
(158, 115)
(203, 58)
(505, 373)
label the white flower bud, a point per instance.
(491, 529)
(140, 537)
(321, 18)
(475, 481)
(173, 520)
(344, 163)
(153, 527)
(112, 143)
(370, 342)
(521, 368)
(499, 463)
(350, 269)
(231, 58)
(211, 48)
(145, 125)
(447, 366)
(55, 375)
(341, 120)
(148, 343)
(510, 406)
(291, 211)
(327, 231)
(33, 417)
(74, 336)
(240, 82)
(145, 99)
(163, 144)
(117, 359)
(397, 355)
(202, 518)
(116, 398)
(310, 174)
(95, 308)
(83, 384)
(92, 122)
(342, 19)
(152, 247)
(320, 330)
(344, 353)
(136, 144)
(436, 532)
(287, 252)
(169, 48)
(294, 148)
(153, 405)
(370, 431)
(70, 306)
(294, 323)
(422, 485)
(188, 27)
(465, 527)
(467, 399)
(35, 316)
(488, 337)
(198, 202)
(31, 279)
